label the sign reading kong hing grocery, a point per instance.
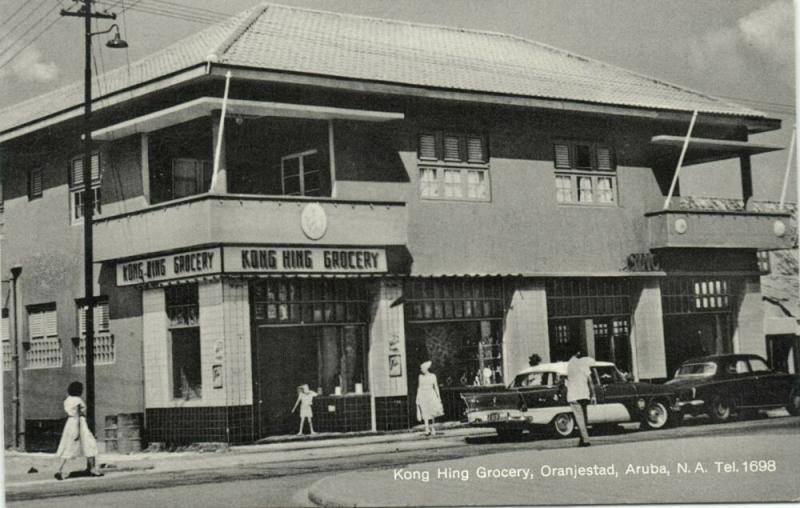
(256, 260)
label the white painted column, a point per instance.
(525, 331)
(647, 331)
(749, 320)
(145, 166)
(155, 349)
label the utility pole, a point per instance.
(88, 200)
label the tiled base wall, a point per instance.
(43, 435)
(349, 414)
(391, 413)
(181, 426)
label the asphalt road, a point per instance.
(285, 484)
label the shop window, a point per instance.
(183, 322)
(453, 166)
(342, 358)
(35, 188)
(585, 173)
(78, 189)
(457, 324)
(5, 335)
(104, 352)
(45, 347)
(587, 297)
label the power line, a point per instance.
(21, 8)
(174, 11)
(23, 48)
(19, 39)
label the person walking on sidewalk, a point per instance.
(429, 402)
(580, 391)
(305, 397)
(76, 440)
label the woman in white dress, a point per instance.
(76, 440)
(429, 402)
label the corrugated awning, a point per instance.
(204, 106)
(707, 150)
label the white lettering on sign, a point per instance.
(294, 260)
(173, 266)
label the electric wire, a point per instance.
(30, 13)
(23, 48)
(21, 38)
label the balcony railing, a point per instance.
(104, 351)
(720, 224)
(235, 219)
(43, 353)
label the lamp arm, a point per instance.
(105, 31)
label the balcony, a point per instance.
(720, 224)
(214, 219)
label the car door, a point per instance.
(742, 386)
(771, 388)
(612, 396)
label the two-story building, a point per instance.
(379, 193)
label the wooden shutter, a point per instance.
(49, 325)
(476, 149)
(561, 156)
(35, 329)
(35, 183)
(604, 159)
(427, 146)
(452, 148)
(76, 175)
(101, 317)
(5, 329)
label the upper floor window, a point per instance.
(453, 166)
(5, 335)
(45, 347)
(300, 174)
(190, 177)
(585, 173)
(35, 183)
(78, 188)
(104, 350)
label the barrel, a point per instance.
(129, 432)
(110, 436)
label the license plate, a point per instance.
(495, 417)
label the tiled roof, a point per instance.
(291, 39)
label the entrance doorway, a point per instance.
(783, 353)
(692, 335)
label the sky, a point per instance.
(740, 50)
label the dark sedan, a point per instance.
(724, 385)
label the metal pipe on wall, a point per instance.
(19, 422)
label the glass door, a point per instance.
(300, 174)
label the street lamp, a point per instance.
(88, 194)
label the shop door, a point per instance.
(782, 353)
(286, 359)
(694, 335)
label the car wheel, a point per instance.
(656, 415)
(509, 434)
(563, 425)
(720, 409)
(794, 403)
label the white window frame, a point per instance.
(578, 175)
(38, 313)
(441, 187)
(300, 156)
(77, 192)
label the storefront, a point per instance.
(456, 323)
(699, 316)
(592, 315)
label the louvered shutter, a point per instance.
(35, 329)
(452, 148)
(49, 326)
(604, 159)
(561, 156)
(77, 170)
(427, 146)
(476, 149)
(5, 330)
(101, 317)
(82, 320)
(35, 177)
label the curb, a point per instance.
(316, 496)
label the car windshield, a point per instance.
(696, 370)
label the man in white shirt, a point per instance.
(579, 391)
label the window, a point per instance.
(453, 166)
(190, 177)
(5, 335)
(45, 348)
(300, 173)
(183, 322)
(103, 341)
(78, 189)
(585, 173)
(763, 262)
(759, 365)
(35, 183)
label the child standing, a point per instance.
(305, 396)
(76, 440)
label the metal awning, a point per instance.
(707, 150)
(204, 106)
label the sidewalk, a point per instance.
(279, 449)
(665, 471)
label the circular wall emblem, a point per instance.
(779, 228)
(681, 226)
(314, 221)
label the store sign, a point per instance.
(304, 260)
(642, 262)
(173, 266)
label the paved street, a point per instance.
(269, 477)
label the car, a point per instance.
(722, 386)
(536, 399)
